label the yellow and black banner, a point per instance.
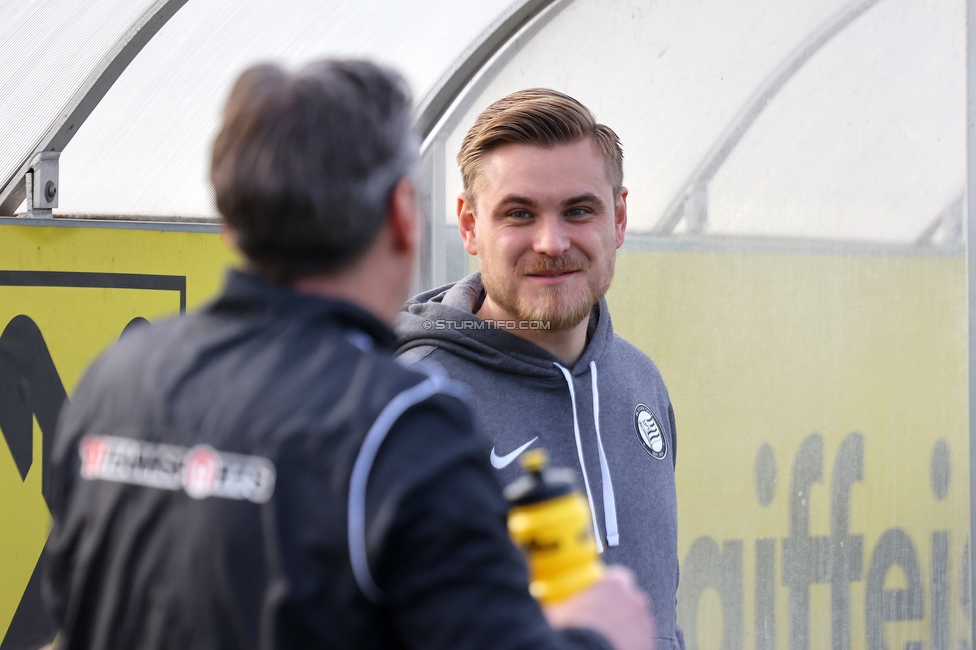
(823, 454)
(65, 294)
(821, 405)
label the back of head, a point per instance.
(305, 162)
(540, 117)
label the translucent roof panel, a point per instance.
(49, 48)
(144, 149)
(827, 119)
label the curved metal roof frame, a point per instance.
(436, 103)
(691, 200)
(474, 68)
(453, 95)
(431, 109)
(83, 102)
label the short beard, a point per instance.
(558, 309)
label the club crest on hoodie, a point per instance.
(649, 432)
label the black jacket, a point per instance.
(211, 492)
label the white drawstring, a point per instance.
(609, 503)
(579, 451)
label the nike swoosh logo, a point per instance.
(501, 462)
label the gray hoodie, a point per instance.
(609, 416)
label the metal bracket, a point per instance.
(13, 188)
(42, 184)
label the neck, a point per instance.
(353, 290)
(566, 345)
(378, 282)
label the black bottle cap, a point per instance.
(539, 483)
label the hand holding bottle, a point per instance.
(614, 606)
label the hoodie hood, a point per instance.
(444, 318)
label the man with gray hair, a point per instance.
(260, 473)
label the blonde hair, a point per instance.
(541, 117)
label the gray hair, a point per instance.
(305, 163)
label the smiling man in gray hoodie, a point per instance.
(544, 210)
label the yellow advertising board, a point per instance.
(822, 457)
(65, 294)
(821, 402)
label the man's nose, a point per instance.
(551, 237)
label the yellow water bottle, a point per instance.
(549, 520)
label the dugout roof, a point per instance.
(827, 120)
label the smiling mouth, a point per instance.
(551, 274)
(551, 269)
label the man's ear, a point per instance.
(404, 216)
(466, 224)
(620, 216)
